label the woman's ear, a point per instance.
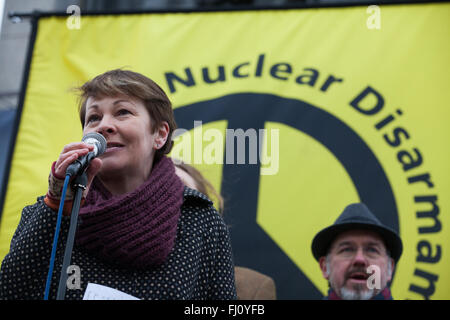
(161, 135)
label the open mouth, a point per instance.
(358, 276)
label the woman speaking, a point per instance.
(140, 230)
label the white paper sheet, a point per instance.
(99, 292)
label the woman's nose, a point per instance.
(106, 126)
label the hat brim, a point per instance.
(324, 238)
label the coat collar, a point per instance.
(195, 195)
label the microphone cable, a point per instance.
(55, 238)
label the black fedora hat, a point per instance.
(356, 216)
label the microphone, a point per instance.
(79, 165)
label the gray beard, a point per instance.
(356, 294)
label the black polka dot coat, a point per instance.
(200, 266)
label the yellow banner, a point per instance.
(341, 105)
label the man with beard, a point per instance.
(357, 255)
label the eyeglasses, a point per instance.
(349, 251)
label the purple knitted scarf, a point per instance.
(136, 229)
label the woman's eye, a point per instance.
(92, 118)
(123, 112)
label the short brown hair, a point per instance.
(135, 85)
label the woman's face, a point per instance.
(126, 126)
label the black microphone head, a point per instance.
(97, 140)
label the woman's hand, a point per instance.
(69, 154)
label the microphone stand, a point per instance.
(79, 184)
